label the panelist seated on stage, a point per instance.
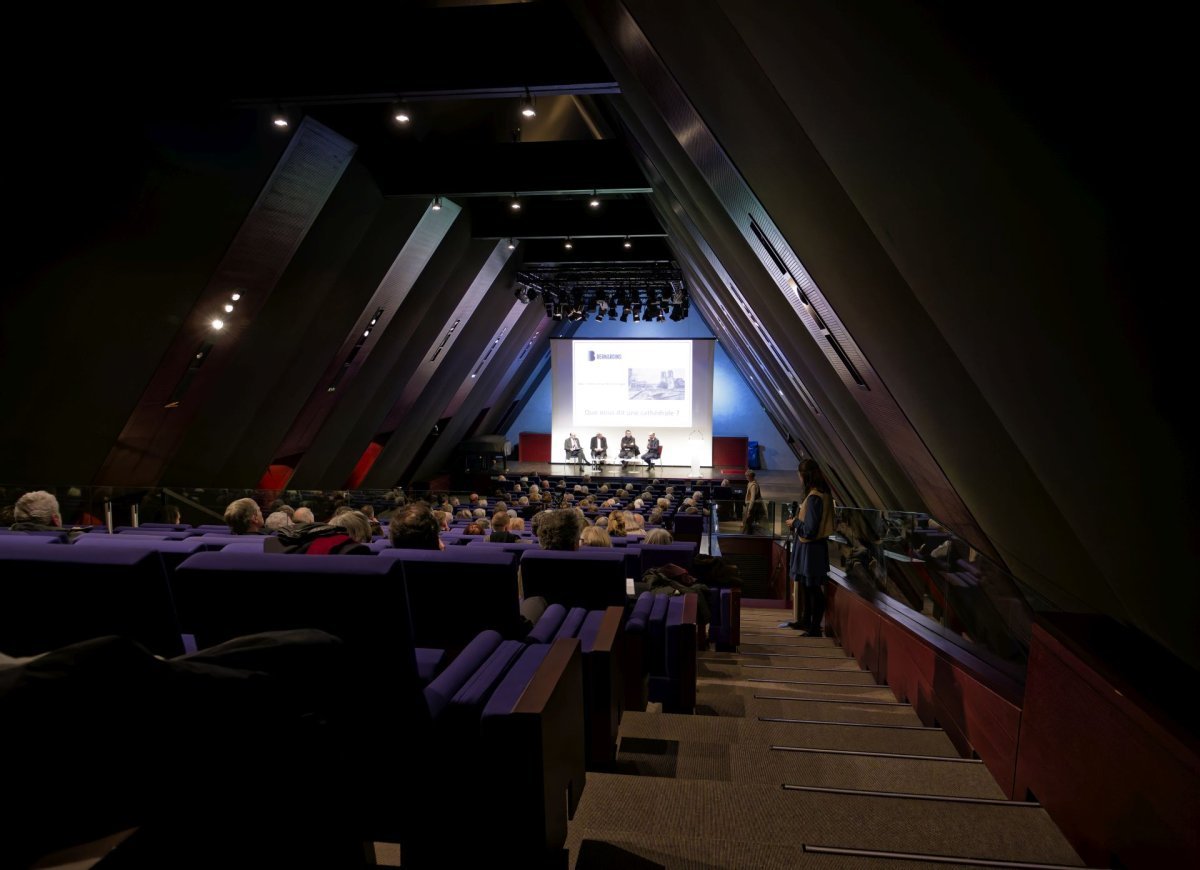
(573, 447)
(653, 450)
(599, 447)
(629, 447)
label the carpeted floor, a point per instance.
(795, 748)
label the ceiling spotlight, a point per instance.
(527, 107)
(595, 201)
(228, 308)
(236, 296)
(515, 205)
(218, 323)
(366, 333)
(512, 246)
(437, 203)
(279, 118)
(628, 244)
(567, 244)
(401, 114)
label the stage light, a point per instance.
(628, 244)
(527, 106)
(437, 203)
(236, 296)
(218, 323)
(401, 114)
(515, 204)
(512, 246)
(567, 244)
(595, 201)
(229, 308)
(279, 118)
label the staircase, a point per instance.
(797, 758)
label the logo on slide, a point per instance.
(593, 356)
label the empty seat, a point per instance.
(593, 578)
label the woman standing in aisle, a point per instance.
(811, 528)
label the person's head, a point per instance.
(341, 509)
(602, 522)
(594, 536)
(516, 487)
(812, 477)
(523, 500)
(38, 507)
(627, 433)
(656, 516)
(616, 523)
(500, 521)
(474, 497)
(634, 521)
(414, 527)
(443, 520)
(500, 506)
(559, 530)
(638, 503)
(749, 475)
(516, 524)
(479, 513)
(355, 524)
(663, 503)
(534, 489)
(652, 435)
(303, 515)
(725, 481)
(658, 536)
(367, 511)
(697, 495)
(474, 529)
(171, 514)
(244, 516)
(278, 520)
(464, 514)
(287, 509)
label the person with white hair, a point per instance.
(638, 504)
(244, 517)
(534, 489)
(303, 515)
(36, 512)
(279, 520)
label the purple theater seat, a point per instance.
(673, 677)
(18, 540)
(689, 527)
(656, 555)
(454, 594)
(593, 578)
(429, 663)
(215, 541)
(725, 608)
(547, 625)
(52, 596)
(171, 527)
(164, 533)
(213, 527)
(59, 537)
(572, 623)
(439, 693)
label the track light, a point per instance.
(236, 296)
(401, 114)
(437, 203)
(279, 118)
(512, 246)
(527, 106)
(595, 201)
(567, 244)
(218, 323)
(229, 308)
(515, 204)
(628, 244)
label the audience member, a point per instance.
(356, 524)
(413, 527)
(594, 536)
(303, 515)
(516, 524)
(559, 529)
(658, 536)
(36, 512)
(244, 517)
(475, 528)
(279, 520)
(616, 523)
(500, 533)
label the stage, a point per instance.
(775, 485)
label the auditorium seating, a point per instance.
(600, 634)
(656, 555)
(659, 663)
(54, 595)
(593, 578)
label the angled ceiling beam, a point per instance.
(502, 169)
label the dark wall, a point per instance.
(109, 246)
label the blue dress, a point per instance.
(810, 562)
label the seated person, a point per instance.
(595, 536)
(559, 529)
(599, 447)
(629, 447)
(474, 529)
(244, 517)
(414, 528)
(36, 512)
(658, 536)
(500, 533)
(653, 450)
(574, 448)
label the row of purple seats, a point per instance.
(54, 595)
(660, 653)
(599, 632)
(507, 719)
